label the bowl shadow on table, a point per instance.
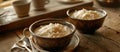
(96, 41)
(86, 44)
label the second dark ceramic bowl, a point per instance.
(87, 26)
(49, 43)
(109, 3)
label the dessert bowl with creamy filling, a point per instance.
(52, 34)
(55, 30)
(87, 20)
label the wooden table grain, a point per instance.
(105, 39)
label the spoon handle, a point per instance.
(27, 39)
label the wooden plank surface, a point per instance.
(7, 40)
(4, 3)
(113, 17)
(98, 42)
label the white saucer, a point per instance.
(73, 44)
(70, 1)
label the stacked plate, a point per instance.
(24, 45)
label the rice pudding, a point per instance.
(53, 30)
(86, 14)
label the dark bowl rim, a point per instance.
(105, 13)
(32, 33)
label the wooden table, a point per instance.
(105, 39)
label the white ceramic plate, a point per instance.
(15, 48)
(73, 44)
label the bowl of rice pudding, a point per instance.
(52, 34)
(87, 20)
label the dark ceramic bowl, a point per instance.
(109, 3)
(48, 43)
(87, 26)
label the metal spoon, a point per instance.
(26, 39)
(24, 45)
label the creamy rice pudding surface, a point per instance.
(86, 14)
(53, 30)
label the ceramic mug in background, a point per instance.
(21, 7)
(39, 4)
